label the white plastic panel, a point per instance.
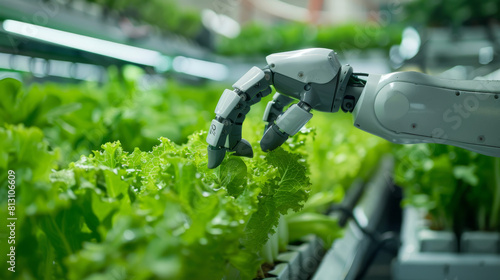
(411, 107)
(413, 264)
(252, 77)
(429, 111)
(293, 119)
(214, 133)
(315, 65)
(227, 103)
(265, 117)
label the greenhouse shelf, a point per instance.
(345, 259)
(427, 254)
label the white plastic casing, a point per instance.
(252, 77)
(227, 103)
(411, 107)
(214, 133)
(315, 65)
(293, 119)
(269, 106)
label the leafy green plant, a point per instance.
(163, 211)
(459, 189)
(122, 208)
(451, 12)
(338, 152)
(79, 118)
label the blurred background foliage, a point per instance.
(452, 12)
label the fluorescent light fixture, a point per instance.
(162, 63)
(200, 68)
(88, 72)
(4, 61)
(60, 68)
(20, 63)
(40, 67)
(85, 43)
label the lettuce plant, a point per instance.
(79, 118)
(130, 205)
(162, 211)
(459, 189)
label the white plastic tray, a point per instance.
(429, 255)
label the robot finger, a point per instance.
(287, 124)
(225, 133)
(275, 108)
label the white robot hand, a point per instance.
(404, 107)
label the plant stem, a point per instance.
(481, 218)
(62, 236)
(274, 240)
(282, 232)
(48, 263)
(261, 272)
(267, 252)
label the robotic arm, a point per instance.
(402, 107)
